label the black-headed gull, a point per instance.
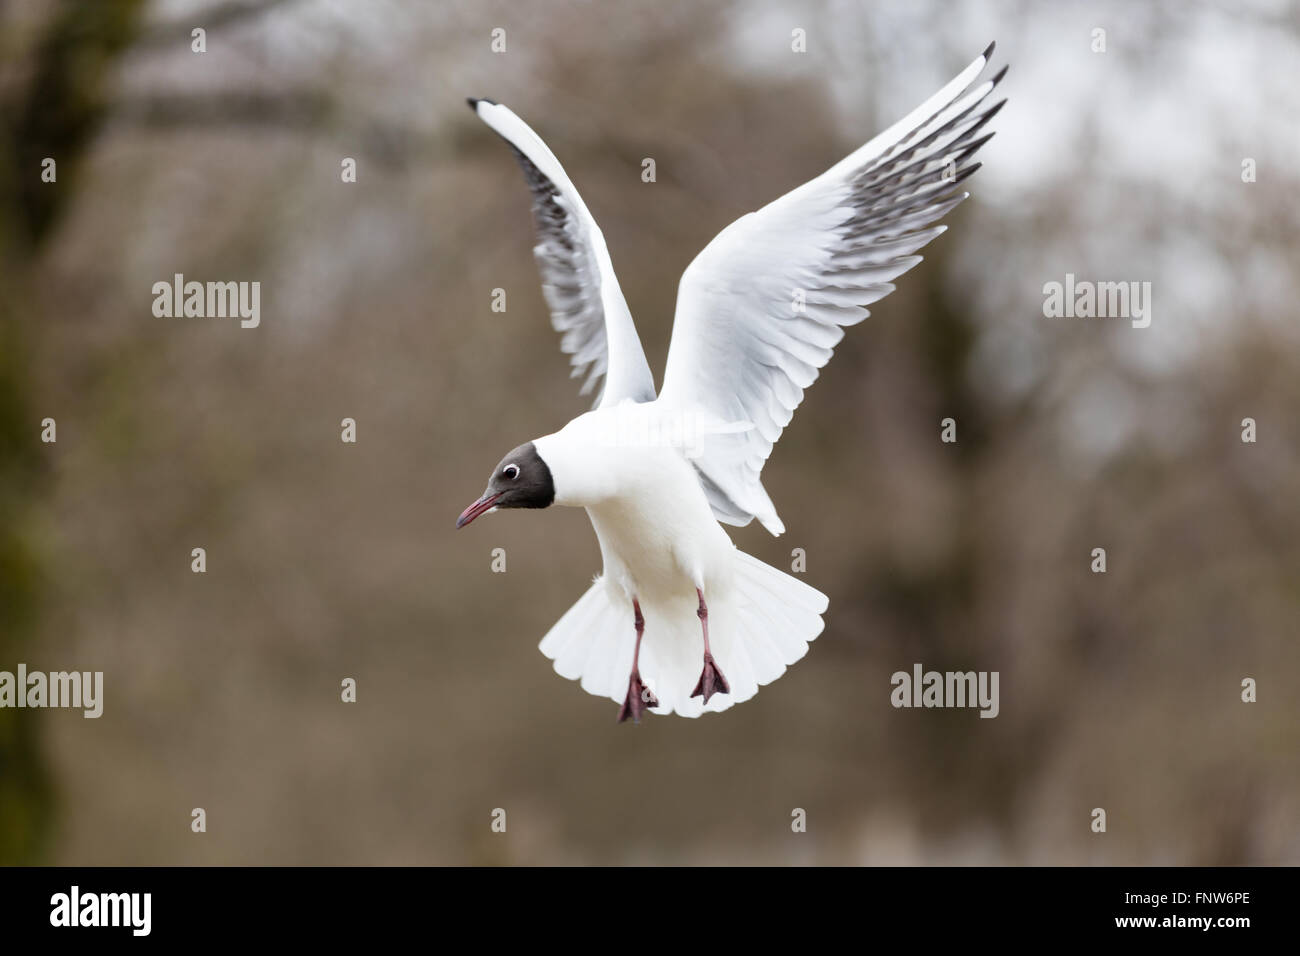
(758, 314)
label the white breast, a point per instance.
(658, 536)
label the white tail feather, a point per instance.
(758, 626)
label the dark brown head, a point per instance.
(522, 480)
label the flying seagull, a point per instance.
(680, 620)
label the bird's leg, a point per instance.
(639, 697)
(711, 679)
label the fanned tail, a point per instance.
(760, 625)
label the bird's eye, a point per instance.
(510, 471)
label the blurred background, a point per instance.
(328, 560)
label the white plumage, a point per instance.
(759, 312)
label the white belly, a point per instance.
(660, 542)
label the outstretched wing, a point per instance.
(587, 306)
(760, 310)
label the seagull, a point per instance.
(680, 620)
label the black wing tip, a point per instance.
(997, 77)
(971, 149)
(989, 52)
(475, 101)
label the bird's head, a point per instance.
(521, 480)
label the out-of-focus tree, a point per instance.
(54, 115)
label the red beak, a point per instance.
(477, 508)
